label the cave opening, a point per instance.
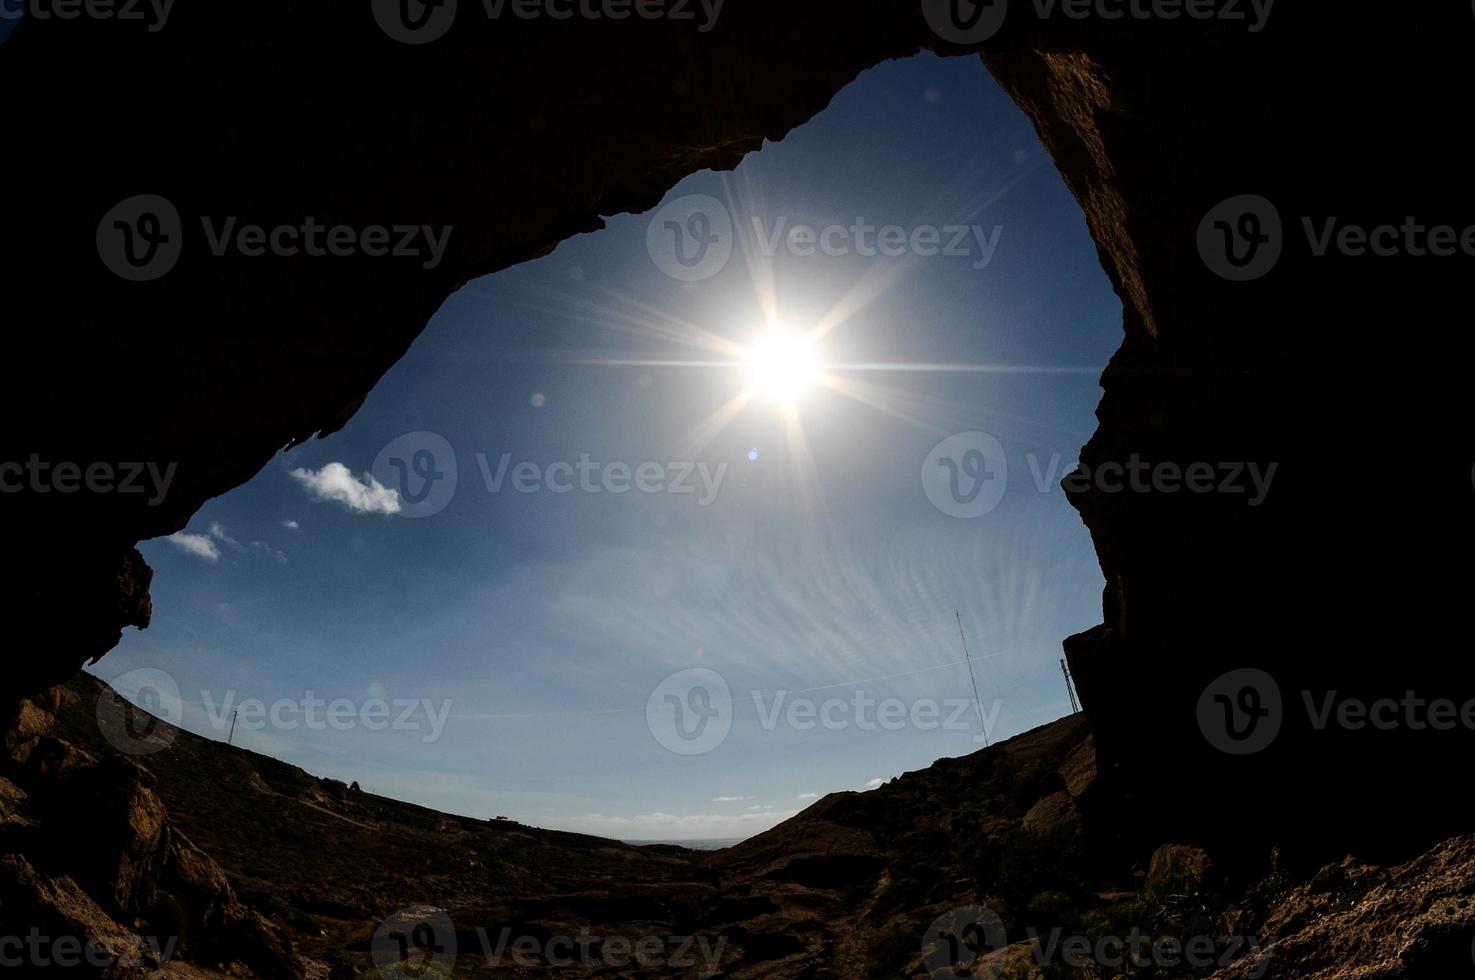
(675, 530)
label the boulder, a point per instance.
(1079, 768)
(1055, 814)
(69, 926)
(1179, 869)
(14, 813)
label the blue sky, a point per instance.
(542, 622)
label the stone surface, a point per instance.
(1055, 814)
(60, 912)
(1079, 769)
(847, 888)
(1179, 868)
(100, 858)
(1355, 921)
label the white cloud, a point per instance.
(336, 482)
(292, 525)
(808, 796)
(761, 806)
(874, 783)
(217, 531)
(728, 799)
(198, 545)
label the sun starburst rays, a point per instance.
(779, 363)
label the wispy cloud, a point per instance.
(874, 783)
(198, 545)
(728, 799)
(270, 552)
(337, 483)
(291, 525)
(218, 532)
(807, 796)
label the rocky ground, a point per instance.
(207, 860)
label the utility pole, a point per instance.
(978, 704)
(1075, 706)
(232, 734)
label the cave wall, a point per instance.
(1347, 373)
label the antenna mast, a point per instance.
(1075, 706)
(978, 704)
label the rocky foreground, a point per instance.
(206, 860)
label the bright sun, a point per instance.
(782, 364)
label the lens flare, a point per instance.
(782, 365)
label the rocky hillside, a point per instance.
(205, 859)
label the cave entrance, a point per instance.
(672, 531)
